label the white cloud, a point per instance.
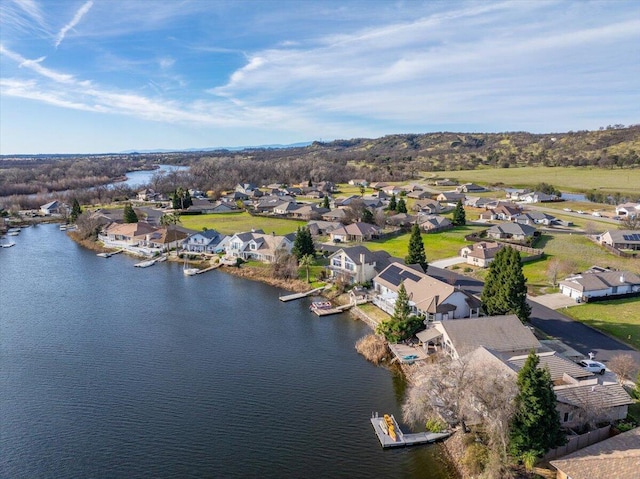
(81, 12)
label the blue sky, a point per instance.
(112, 75)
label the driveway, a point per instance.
(574, 334)
(554, 301)
(445, 263)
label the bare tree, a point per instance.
(623, 367)
(630, 222)
(558, 267)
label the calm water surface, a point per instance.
(111, 371)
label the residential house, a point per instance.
(163, 239)
(477, 201)
(630, 210)
(392, 190)
(618, 456)
(326, 187)
(427, 206)
(207, 241)
(245, 188)
(147, 195)
(428, 296)
(258, 245)
(107, 216)
(537, 197)
(52, 208)
(308, 212)
(621, 239)
(534, 218)
(204, 206)
(480, 254)
(359, 182)
(355, 232)
(503, 334)
(334, 215)
(589, 285)
(446, 182)
(126, 234)
(378, 185)
(402, 220)
(470, 188)
(511, 231)
(285, 208)
(357, 264)
(321, 228)
(267, 204)
(451, 197)
(419, 194)
(342, 202)
(506, 211)
(433, 223)
(235, 197)
(516, 194)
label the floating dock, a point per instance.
(291, 297)
(402, 439)
(329, 311)
(210, 268)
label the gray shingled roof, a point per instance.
(600, 281)
(617, 457)
(557, 366)
(601, 395)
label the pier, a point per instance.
(329, 311)
(291, 297)
(402, 439)
(210, 268)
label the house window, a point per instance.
(349, 265)
(336, 262)
(567, 417)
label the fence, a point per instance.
(579, 442)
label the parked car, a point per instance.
(593, 366)
(595, 213)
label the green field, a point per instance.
(565, 179)
(436, 245)
(230, 223)
(620, 318)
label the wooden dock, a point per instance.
(402, 439)
(210, 268)
(291, 297)
(330, 311)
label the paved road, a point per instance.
(573, 333)
(444, 263)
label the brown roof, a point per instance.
(130, 229)
(617, 457)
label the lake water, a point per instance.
(143, 177)
(111, 371)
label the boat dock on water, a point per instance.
(291, 297)
(145, 264)
(390, 435)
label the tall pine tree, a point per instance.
(303, 244)
(392, 203)
(75, 211)
(416, 254)
(402, 206)
(535, 427)
(459, 215)
(403, 323)
(505, 287)
(325, 202)
(129, 216)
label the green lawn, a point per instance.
(619, 318)
(566, 179)
(577, 249)
(436, 245)
(230, 223)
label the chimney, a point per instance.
(593, 388)
(622, 278)
(362, 258)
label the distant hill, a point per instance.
(221, 148)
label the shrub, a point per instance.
(435, 425)
(373, 348)
(475, 458)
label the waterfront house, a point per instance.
(503, 334)
(355, 232)
(126, 234)
(516, 194)
(428, 296)
(258, 245)
(52, 208)
(617, 456)
(357, 264)
(511, 231)
(162, 239)
(598, 284)
(480, 254)
(207, 241)
(621, 239)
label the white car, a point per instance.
(593, 366)
(567, 209)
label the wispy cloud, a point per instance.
(81, 12)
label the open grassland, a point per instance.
(619, 318)
(436, 245)
(565, 179)
(579, 251)
(230, 223)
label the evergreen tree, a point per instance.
(181, 199)
(416, 254)
(325, 202)
(75, 210)
(459, 216)
(367, 216)
(402, 206)
(129, 216)
(392, 203)
(309, 183)
(303, 244)
(535, 427)
(505, 288)
(403, 323)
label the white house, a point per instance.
(52, 208)
(597, 284)
(258, 245)
(357, 264)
